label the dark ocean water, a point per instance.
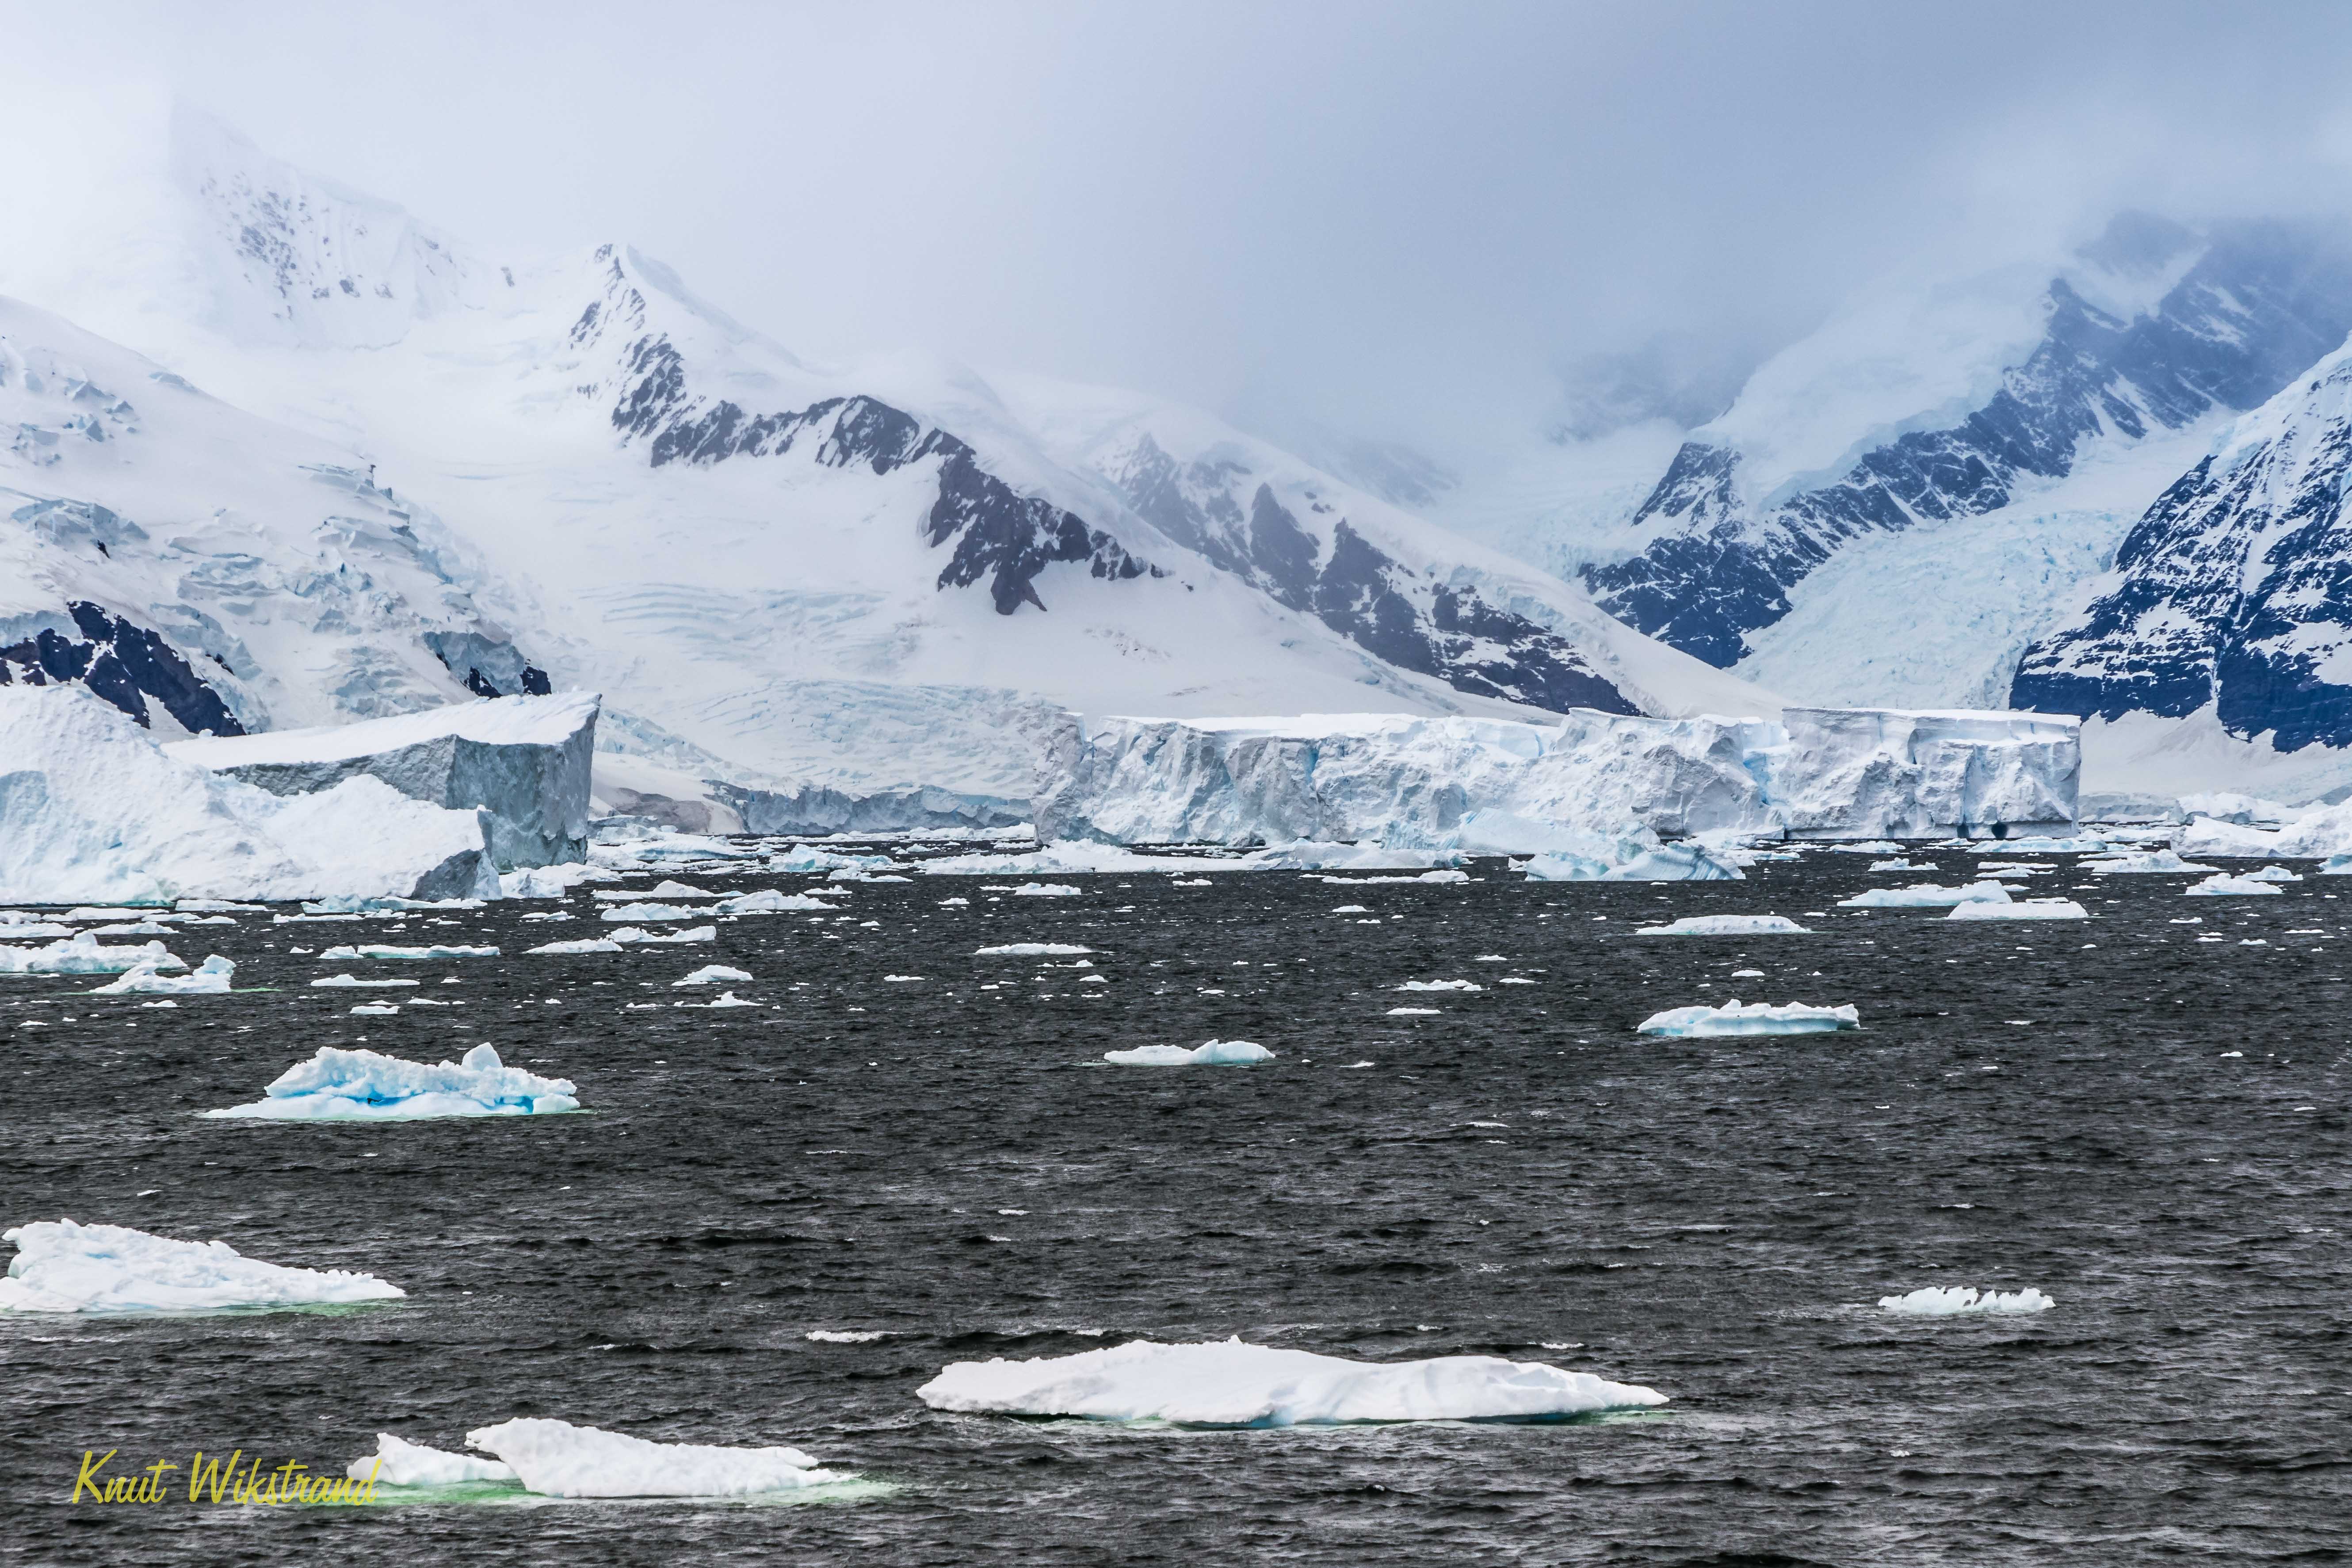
(1715, 1219)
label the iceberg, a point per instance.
(2042, 845)
(1926, 896)
(2222, 885)
(83, 954)
(1726, 925)
(340, 982)
(1216, 1053)
(804, 858)
(2143, 861)
(2270, 874)
(2023, 910)
(337, 1085)
(397, 1463)
(524, 760)
(92, 810)
(1068, 857)
(653, 912)
(1627, 859)
(1031, 950)
(551, 881)
(1045, 890)
(565, 948)
(556, 1458)
(768, 901)
(1441, 986)
(1956, 1301)
(628, 935)
(1236, 1384)
(62, 1267)
(379, 951)
(1757, 1019)
(711, 974)
(209, 978)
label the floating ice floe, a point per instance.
(1956, 1300)
(1666, 863)
(1441, 986)
(1726, 925)
(352, 904)
(1756, 1018)
(845, 1336)
(35, 930)
(804, 858)
(83, 954)
(1926, 896)
(1414, 1012)
(2023, 910)
(62, 1267)
(553, 881)
(1216, 1053)
(337, 1085)
(556, 1458)
(724, 999)
(2162, 861)
(209, 978)
(1030, 950)
(399, 1463)
(2270, 874)
(567, 948)
(1900, 863)
(768, 901)
(1236, 1384)
(1424, 877)
(651, 913)
(711, 974)
(1045, 890)
(352, 982)
(334, 955)
(2222, 885)
(2045, 846)
(639, 936)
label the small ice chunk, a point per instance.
(62, 1267)
(1926, 896)
(1956, 1301)
(399, 1463)
(1441, 986)
(724, 999)
(899, 979)
(1726, 925)
(210, 978)
(651, 913)
(1046, 891)
(2025, 910)
(843, 1336)
(1031, 950)
(561, 949)
(1236, 1384)
(2163, 861)
(1414, 1012)
(83, 954)
(2270, 874)
(711, 974)
(1757, 1018)
(2222, 885)
(1352, 910)
(556, 1458)
(1215, 1053)
(352, 982)
(639, 936)
(768, 901)
(337, 1084)
(345, 954)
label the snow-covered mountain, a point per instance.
(2232, 595)
(779, 573)
(1953, 402)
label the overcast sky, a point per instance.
(1385, 216)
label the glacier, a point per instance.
(339, 1085)
(62, 1267)
(1232, 1383)
(524, 760)
(1755, 1018)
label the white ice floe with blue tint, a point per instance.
(1230, 1383)
(210, 978)
(1216, 1053)
(84, 954)
(1926, 896)
(1441, 986)
(2222, 885)
(1753, 1018)
(62, 1267)
(768, 901)
(1726, 925)
(2150, 862)
(1965, 1300)
(570, 949)
(1031, 950)
(556, 1458)
(652, 912)
(2270, 874)
(2023, 910)
(339, 1085)
(2076, 845)
(354, 983)
(1045, 890)
(1663, 863)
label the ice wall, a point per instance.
(1473, 783)
(525, 760)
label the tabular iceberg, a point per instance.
(556, 1458)
(339, 1085)
(1216, 1053)
(523, 760)
(1756, 1018)
(62, 1267)
(1507, 787)
(1236, 1384)
(92, 810)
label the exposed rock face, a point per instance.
(128, 665)
(525, 761)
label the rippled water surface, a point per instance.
(1519, 1174)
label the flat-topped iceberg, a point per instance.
(339, 1085)
(2021, 910)
(1960, 1300)
(1755, 1018)
(92, 810)
(399, 1463)
(1230, 1384)
(1926, 896)
(1216, 1053)
(210, 978)
(1726, 925)
(523, 760)
(556, 1458)
(83, 954)
(62, 1267)
(2222, 885)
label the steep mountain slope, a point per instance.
(1969, 402)
(2234, 593)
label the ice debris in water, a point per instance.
(345, 1084)
(1352, 910)
(2024, 910)
(2270, 874)
(2043, 845)
(551, 881)
(348, 982)
(768, 901)
(209, 978)
(1045, 890)
(1757, 1019)
(62, 1267)
(1424, 877)
(1441, 986)
(1030, 950)
(348, 954)
(2222, 885)
(1216, 1053)
(562, 949)
(399, 1463)
(556, 1458)
(843, 1336)
(2152, 861)
(711, 973)
(724, 999)
(1726, 925)
(1926, 896)
(1659, 863)
(1236, 1384)
(640, 934)
(83, 955)
(1956, 1300)
(651, 913)
(1900, 863)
